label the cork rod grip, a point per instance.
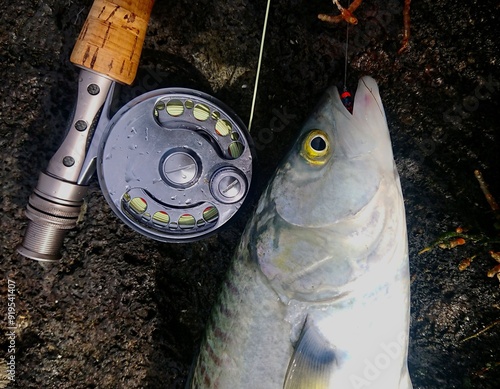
(111, 39)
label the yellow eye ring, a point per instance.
(316, 147)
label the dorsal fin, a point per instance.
(313, 361)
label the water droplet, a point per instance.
(108, 156)
(132, 147)
(188, 201)
(133, 132)
(173, 197)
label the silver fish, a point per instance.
(318, 294)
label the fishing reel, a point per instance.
(174, 164)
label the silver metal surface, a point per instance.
(180, 169)
(89, 164)
(92, 91)
(228, 185)
(55, 204)
(175, 164)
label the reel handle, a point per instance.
(110, 42)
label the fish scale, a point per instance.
(230, 330)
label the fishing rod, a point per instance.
(174, 164)
(107, 51)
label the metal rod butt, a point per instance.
(53, 209)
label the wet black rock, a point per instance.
(122, 311)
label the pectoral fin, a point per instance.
(313, 361)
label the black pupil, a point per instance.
(318, 144)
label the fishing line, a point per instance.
(259, 63)
(346, 46)
(346, 96)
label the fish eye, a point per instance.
(316, 147)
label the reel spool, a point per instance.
(175, 164)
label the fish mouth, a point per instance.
(365, 131)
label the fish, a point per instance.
(318, 293)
